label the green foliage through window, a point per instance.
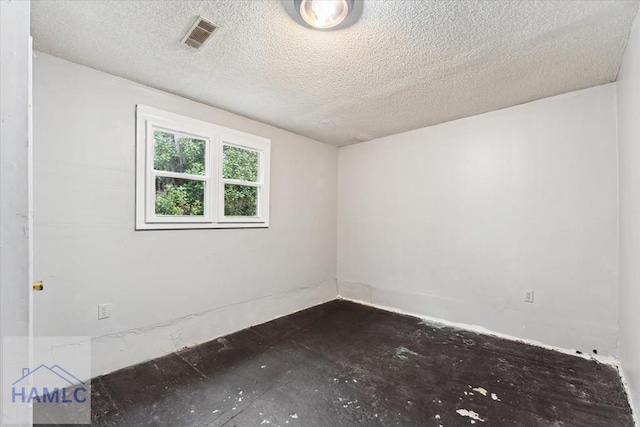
(242, 165)
(177, 153)
(175, 196)
(240, 200)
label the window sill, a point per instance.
(195, 226)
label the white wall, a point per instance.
(455, 221)
(628, 86)
(14, 200)
(168, 289)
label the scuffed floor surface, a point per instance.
(343, 364)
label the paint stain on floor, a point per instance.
(343, 364)
(403, 352)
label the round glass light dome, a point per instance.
(324, 14)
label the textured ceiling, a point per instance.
(403, 65)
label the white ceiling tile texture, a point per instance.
(403, 65)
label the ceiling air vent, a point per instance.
(199, 33)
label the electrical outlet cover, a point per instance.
(104, 311)
(528, 296)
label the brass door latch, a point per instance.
(38, 286)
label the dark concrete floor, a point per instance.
(343, 364)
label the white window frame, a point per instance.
(216, 137)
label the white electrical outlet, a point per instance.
(528, 296)
(104, 311)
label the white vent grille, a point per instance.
(199, 33)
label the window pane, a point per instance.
(240, 164)
(178, 153)
(176, 196)
(240, 200)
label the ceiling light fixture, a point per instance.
(324, 14)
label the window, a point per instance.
(194, 174)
